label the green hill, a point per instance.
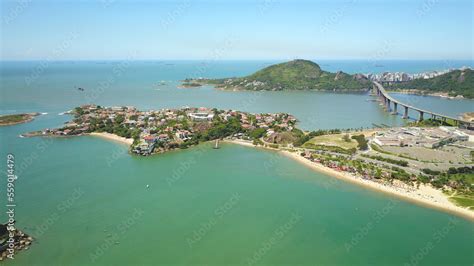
(457, 82)
(294, 75)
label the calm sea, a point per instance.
(85, 199)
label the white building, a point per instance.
(201, 116)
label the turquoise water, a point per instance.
(85, 199)
(31, 86)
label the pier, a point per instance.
(388, 101)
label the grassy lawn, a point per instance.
(463, 200)
(333, 140)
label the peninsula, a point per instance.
(430, 165)
(293, 75)
(9, 120)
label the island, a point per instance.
(293, 75)
(13, 119)
(433, 165)
(190, 84)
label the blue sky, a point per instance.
(258, 29)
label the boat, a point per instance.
(216, 146)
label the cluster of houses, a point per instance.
(420, 137)
(166, 129)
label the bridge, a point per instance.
(388, 101)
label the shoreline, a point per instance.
(30, 118)
(442, 95)
(425, 195)
(112, 137)
(238, 89)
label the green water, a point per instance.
(236, 198)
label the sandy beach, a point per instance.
(425, 195)
(112, 137)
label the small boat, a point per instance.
(147, 186)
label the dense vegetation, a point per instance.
(14, 119)
(294, 75)
(191, 85)
(385, 159)
(361, 142)
(218, 130)
(461, 179)
(432, 123)
(457, 82)
(335, 149)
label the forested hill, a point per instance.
(293, 75)
(457, 82)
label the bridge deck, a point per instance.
(386, 95)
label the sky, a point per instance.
(240, 30)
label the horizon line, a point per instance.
(242, 59)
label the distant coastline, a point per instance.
(443, 95)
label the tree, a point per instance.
(346, 138)
(257, 133)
